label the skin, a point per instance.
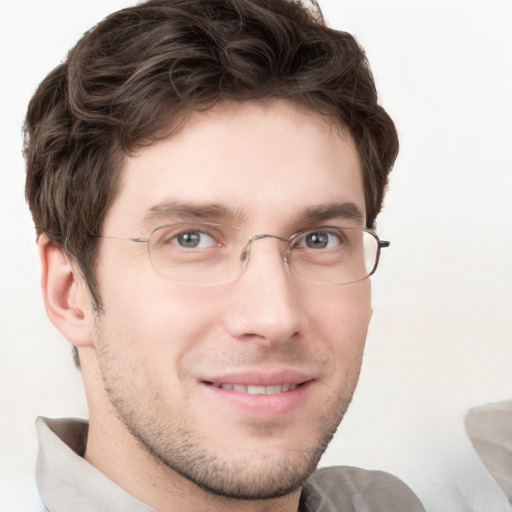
(157, 426)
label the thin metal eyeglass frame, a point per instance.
(246, 251)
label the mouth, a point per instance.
(257, 395)
(253, 389)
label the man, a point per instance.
(204, 177)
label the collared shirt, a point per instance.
(67, 482)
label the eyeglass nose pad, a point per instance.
(245, 254)
(246, 251)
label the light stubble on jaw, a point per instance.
(175, 446)
(233, 479)
(230, 479)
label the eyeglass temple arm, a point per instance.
(140, 239)
(384, 243)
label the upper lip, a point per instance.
(260, 378)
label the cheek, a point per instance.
(155, 320)
(342, 319)
(147, 337)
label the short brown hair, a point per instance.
(128, 80)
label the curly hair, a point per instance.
(131, 79)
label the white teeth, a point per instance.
(274, 390)
(258, 390)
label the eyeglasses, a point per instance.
(206, 254)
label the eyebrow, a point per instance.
(346, 211)
(174, 210)
(179, 210)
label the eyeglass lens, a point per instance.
(206, 253)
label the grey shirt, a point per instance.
(67, 482)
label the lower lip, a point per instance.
(263, 406)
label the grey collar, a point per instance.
(66, 481)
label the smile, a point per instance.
(257, 390)
(258, 395)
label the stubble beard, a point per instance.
(179, 447)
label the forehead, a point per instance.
(258, 162)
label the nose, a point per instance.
(265, 303)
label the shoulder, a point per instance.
(355, 489)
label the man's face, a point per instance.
(168, 350)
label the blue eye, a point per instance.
(193, 240)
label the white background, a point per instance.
(440, 340)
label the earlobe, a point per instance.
(63, 294)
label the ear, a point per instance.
(65, 294)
